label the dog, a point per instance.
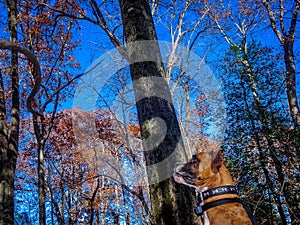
(217, 195)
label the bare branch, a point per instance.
(8, 45)
(154, 6)
(101, 23)
(273, 20)
(294, 20)
(281, 18)
(227, 39)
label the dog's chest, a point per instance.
(230, 214)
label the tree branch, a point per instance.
(8, 45)
(281, 18)
(101, 23)
(294, 20)
(273, 20)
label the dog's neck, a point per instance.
(222, 178)
(216, 215)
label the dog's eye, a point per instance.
(195, 159)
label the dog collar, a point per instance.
(203, 195)
(222, 190)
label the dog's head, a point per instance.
(200, 170)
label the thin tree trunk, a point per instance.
(286, 35)
(262, 153)
(6, 197)
(187, 119)
(287, 39)
(92, 202)
(9, 143)
(171, 203)
(127, 218)
(265, 131)
(290, 66)
(3, 153)
(39, 131)
(41, 186)
(58, 214)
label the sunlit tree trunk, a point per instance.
(171, 203)
(41, 173)
(41, 187)
(9, 140)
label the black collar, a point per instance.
(222, 190)
(201, 196)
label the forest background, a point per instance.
(48, 176)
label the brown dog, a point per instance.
(207, 173)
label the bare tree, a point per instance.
(286, 35)
(9, 137)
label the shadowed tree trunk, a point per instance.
(171, 203)
(9, 137)
(287, 40)
(286, 35)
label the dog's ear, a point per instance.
(217, 160)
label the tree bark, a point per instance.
(171, 203)
(9, 139)
(41, 184)
(290, 66)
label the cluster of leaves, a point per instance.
(78, 187)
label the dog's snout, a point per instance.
(178, 164)
(178, 167)
(182, 168)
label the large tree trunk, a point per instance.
(171, 202)
(9, 140)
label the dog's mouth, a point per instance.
(183, 176)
